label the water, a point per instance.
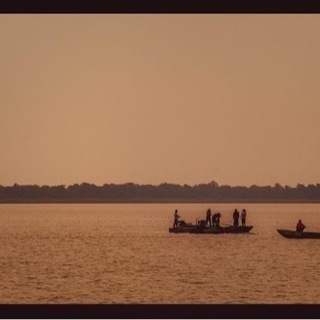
(123, 253)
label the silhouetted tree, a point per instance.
(131, 192)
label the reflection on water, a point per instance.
(124, 254)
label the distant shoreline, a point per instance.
(163, 193)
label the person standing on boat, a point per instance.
(243, 217)
(176, 219)
(208, 217)
(236, 216)
(300, 226)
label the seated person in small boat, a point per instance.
(201, 224)
(216, 220)
(300, 226)
(176, 219)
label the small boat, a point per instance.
(299, 235)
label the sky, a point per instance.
(160, 98)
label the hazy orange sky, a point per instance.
(152, 98)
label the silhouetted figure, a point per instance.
(300, 226)
(236, 216)
(201, 224)
(208, 217)
(176, 219)
(216, 220)
(243, 217)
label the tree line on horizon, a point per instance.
(165, 192)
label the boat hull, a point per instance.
(239, 229)
(190, 228)
(290, 234)
(230, 229)
(205, 230)
(181, 229)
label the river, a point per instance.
(123, 253)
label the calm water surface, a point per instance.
(123, 253)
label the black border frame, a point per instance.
(159, 311)
(160, 6)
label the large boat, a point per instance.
(299, 235)
(201, 227)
